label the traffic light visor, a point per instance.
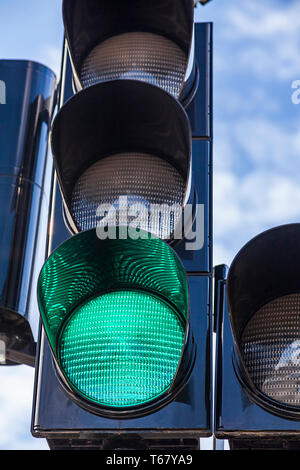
(115, 312)
(121, 144)
(264, 307)
(141, 40)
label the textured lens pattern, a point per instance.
(132, 188)
(140, 56)
(84, 265)
(122, 348)
(271, 349)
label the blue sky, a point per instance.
(256, 135)
(256, 127)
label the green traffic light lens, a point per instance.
(115, 312)
(122, 348)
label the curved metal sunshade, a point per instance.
(137, 39)
(121, 138)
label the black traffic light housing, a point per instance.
(184, 420)
(257, 345)
(80, 145)
(112, 41)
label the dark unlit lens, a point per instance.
(137, 189)
(271, 349)
(140, 56)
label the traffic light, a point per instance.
(258, 344)
(27, 100)
(116, 315)
(136, 40)
(142, 156)
(124, 356)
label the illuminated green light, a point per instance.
(122, 348)
(115, 313)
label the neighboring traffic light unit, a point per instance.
(258, 344)
(26, 170)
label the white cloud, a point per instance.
(51, 57)
(246, 98)
(260, 38)
(256, 179)
(246, 206)
(267, 37)
(16, 395)
(264, 20)
(269, 145)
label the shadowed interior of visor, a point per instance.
(270, 346)
(135, 188)
(140, 56)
